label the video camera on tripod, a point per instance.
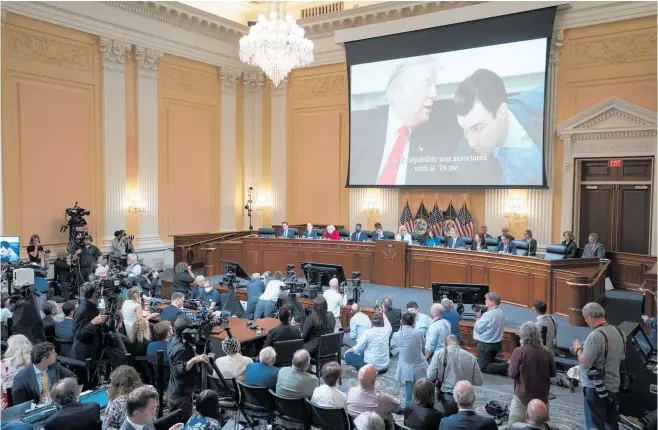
(197, 334)
(74, 221)
(293, 285)
(230, 279)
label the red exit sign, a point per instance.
(615, 164)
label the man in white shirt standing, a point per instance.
(266, 306)
(335, 301)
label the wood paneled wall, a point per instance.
(597, 62)
(188, 135)
(52, 142)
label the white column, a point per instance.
(357, 199)
(540, 202)
(387, 200)
(279, 170)
(494, 210)
(114, 109)
(228, 80)
(253, 141)
(148, 61)
(391, 209)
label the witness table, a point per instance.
(239, 330)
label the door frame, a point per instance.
(614, 128)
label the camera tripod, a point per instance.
(357, 292)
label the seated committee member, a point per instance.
(358, 235)
(404, 236)
(286, 233)
(71, 413)
(387, 135)
(594, 249)
(432, 239)
(331, 233)
(504, 231)
(36, 381)
(479, 243)
(456, 242)
(509, 130)
(483, 230)
(572, 247)
(175, 309)
(378, 234)
(506, 246)
(532, 243)
(309, 233)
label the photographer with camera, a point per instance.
(183, 370)
(266, 306)
(600, 360)
(62, 273)
(134, 268)
(87, 256)
(35, 251)
(488, 332)
(149, 280)
(335, 301)
(122, 245)
(87, 326)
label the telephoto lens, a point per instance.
(596, 376)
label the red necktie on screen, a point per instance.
(390, 172)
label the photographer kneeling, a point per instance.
(600, 361)
(184, 370)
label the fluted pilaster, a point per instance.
(114, 109)
(253, 141)
(386, 199)
(227, 152)
(279, 169)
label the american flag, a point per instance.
(406, 219)
(436, 220)
(465, 222)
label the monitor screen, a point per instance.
(643, 342)
(470, 293)
(10, 247)
(321, 273)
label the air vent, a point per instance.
(326, 9)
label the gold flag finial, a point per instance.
(465, 195)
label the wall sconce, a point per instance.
(137, 204)
(263, 203)
(516, 208)
(372, 205)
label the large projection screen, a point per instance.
(454, 106)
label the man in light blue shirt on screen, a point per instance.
(359, 323)
(488, 332)
(372, 347)
(422, 320)
(438, 330)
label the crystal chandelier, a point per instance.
(276, 46)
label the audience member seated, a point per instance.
(209, 296)
(266, 306)
(392, 314)
(263, 373)
(233, 364)
(536, 417)
(123, 380)
(255, 288)
(432, 239)
(64, 328)
(141, 407)
(568, 242)
(35, 382)
(183, 278)
(544, 320)
(196, 288)
(132, 310)
(412, 364)
(171, 312)
(504, 231)
(369, 421)
(479, 243)
(506, 246)
(359, 323)
(450, 365)
(295, 382)
(420, 414)
(206, 415)
(366, 398)
(373, 346)
(318, 323)
(452, 316)
(438, 330)
(328, 395)
(455, 242)
(309, 233)
(594, 249)
(71, 413)
(404, 235)
(358, 235)
(331, 233)
(162, 332)
(466, 418)
(422, 321)
(532, 367)
(50, 310)
(16, 358)
(284, 331)
(532, 243)
(141, 337)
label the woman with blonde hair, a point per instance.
(123, 380)
(132, 310)
(15, 358)
(331, 233)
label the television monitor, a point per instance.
(642, 344)
(235, 267)
(468, 294)
(321, 273)
(10, 247)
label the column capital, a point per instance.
(3, 16)
(229, 78)
(253, 81)
(114, 53)
(282, 88)
(148, 60)
(556, 46)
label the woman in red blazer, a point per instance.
(331, 233)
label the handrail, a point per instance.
(603, 262)
(210, 240)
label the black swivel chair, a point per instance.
(415, 237)
(292, 410)
(319, 232)
(293, 230)
(468, 241)
(555, 252)
(329, 350)
(389, 235)
(367, 233)
(492, 244)
(344, 234)
(256, 402)
(266, 232)
(285, 349)
(328, 418)
(64, 347)
(521, 247)
(165, 422)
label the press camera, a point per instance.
(75, 222)
(293, 285)
(197, 334)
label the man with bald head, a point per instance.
(309, 233)
(335, 301)
(365, 397)
(359, 323)
(536, 415)
(466, 418)
(438, 330)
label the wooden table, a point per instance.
(239, 330)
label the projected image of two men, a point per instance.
(468, 117)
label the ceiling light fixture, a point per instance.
(276, 45)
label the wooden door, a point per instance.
(633, 219)
(596, 213)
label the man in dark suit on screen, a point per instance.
(383, 139)
(466, 418)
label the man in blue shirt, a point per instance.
(453, 317)
(372, 346)
(422, 320)
(488, 332)
(263, 373)
(255, 288)
(359, 323)
(438, 330)
(210, 296)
